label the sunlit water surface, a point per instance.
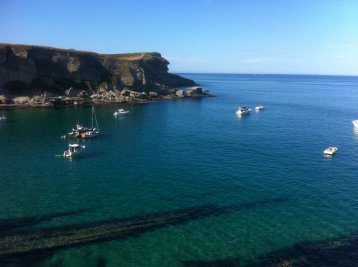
(187, 153)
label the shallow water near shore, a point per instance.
(182, 154)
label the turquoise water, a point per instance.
(187, 153)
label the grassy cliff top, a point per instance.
(20, 49)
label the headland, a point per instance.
(39, 76)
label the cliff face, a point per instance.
(25, 69)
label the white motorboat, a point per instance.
(73, 150)
(355, 123)
(120, 111)
(242, 111)
(330, 150)
(258, 108)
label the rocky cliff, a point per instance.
(29, 70)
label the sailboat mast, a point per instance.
(95, 117)
(92, 117)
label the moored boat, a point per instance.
(242, 111)
(90, 133)
(73, 150)
(355, 123)
(330, 150)
(120, 111)
(258, 108)
(2, 118)
(84, 132)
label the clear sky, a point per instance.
(222, 36)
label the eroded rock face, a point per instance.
(193, 91)
(180, 93)
(4, 100)
(26, 69)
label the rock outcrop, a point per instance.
(32, 70)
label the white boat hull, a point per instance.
(330, 151)
(121, 112)
(240, 113)
(355, 123)
(74, 153)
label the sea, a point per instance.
(186, 182)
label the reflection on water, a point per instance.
(355, 134)
(242, 116)
(328, 157)
(84, 155)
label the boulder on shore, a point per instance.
(5, 100)
(21, 100)
(180, 93)
(195, 91)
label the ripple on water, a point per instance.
(176, 155)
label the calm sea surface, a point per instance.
(265, 172)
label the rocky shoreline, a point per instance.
(74, 97)
(38, 76)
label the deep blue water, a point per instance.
(179, 154)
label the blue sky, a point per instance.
(222, 36)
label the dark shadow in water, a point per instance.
(9, 226)
(197, 196)
(342, 252)
(101, 262)
(33, 246)
(231, 262)
(339, 252)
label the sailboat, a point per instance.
(83, 132)
(93, 131)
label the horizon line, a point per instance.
(263, 74)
